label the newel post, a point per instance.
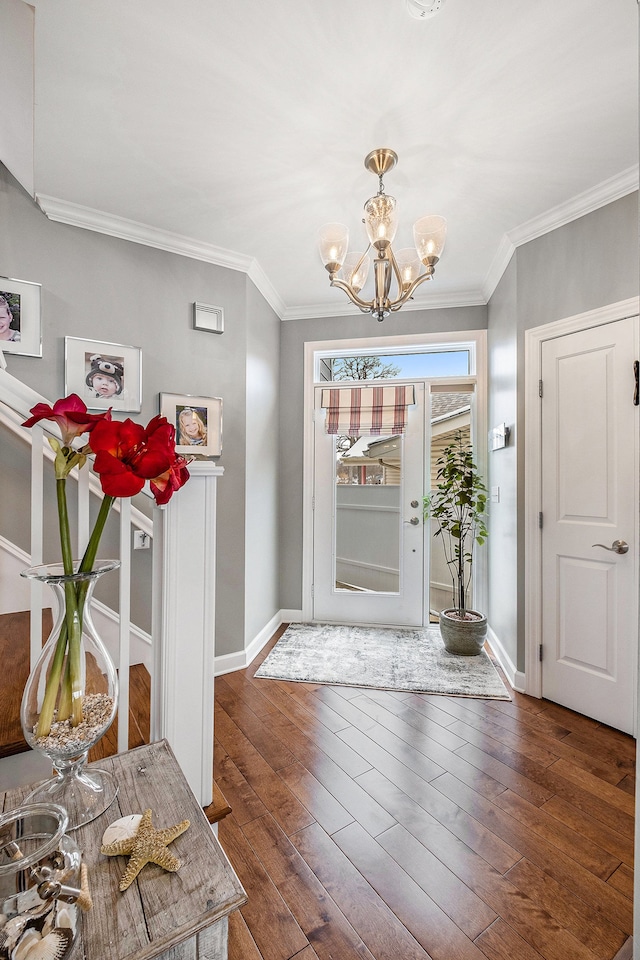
(183, 625)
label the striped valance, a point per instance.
(367, 411)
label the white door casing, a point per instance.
(402, 605)
(582, 603)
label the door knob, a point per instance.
(414, 504)
(414, 521)
(618, 546)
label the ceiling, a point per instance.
(231, 130)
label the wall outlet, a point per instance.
(141, 540)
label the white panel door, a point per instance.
(590, 497)
(368, 536)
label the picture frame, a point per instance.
(207, 317)
(103, 374)
(21, 300)
(198, 417)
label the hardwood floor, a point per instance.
(369, 824)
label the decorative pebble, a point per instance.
(63, 736)
(122, 829)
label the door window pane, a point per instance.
(367, 515)
(450, 414)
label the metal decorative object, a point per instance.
(349, 272)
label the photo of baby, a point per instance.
(9, 317)
(191, 426)
(105, 376)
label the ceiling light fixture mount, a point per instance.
(381, 223)
(424, 9)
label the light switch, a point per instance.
(495, 494)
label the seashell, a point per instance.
(13, 930)
(50, 920)
(67, 917)
(53, 946)
(122, 829)
(26, 941)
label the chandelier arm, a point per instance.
(408, 293)
(396, 268)
(353, 296)
(361, 260)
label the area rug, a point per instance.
(407, 659)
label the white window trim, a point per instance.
(315, 350)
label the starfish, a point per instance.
(148, 845)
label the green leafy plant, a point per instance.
(458, 505)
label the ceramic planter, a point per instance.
(463, 637)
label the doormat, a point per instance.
(385, 658)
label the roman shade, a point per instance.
(367, 411)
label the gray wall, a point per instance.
(295, 334)
(262, 595)
(503, 587)
(586, 264)
(103, 288)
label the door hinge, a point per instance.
(540, 653)
(313, 503)
(636, 390)
(540, 520)
(539, 388)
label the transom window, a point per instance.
(379, 366)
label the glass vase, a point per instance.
(40, 883)
(71, 697)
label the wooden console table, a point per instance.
(162, 916)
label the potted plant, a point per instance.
(458, 505)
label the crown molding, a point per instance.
(468, 298)
(87, 218)
(499, 264)
(599, 196)
(579, 206)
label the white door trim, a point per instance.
(477, 338)
(534, 339)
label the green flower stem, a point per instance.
(70, 685)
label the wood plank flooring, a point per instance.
(369, 825)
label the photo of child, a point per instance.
(10, 317)
(191, 426)
(105, 377)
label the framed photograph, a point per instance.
(20, 317)
(198, 423)
(103, 374)
(206, 317)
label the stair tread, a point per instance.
(14, 644)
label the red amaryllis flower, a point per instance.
(127, 454)
(70, 414)
(164, 486)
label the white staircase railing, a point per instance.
(183, 532)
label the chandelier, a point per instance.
(349, 271)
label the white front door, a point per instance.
(589, 505)
(368, 525)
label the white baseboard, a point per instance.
(515, 677)
(228, 662)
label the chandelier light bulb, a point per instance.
(333, 241)
(429, 235)
(355, 270)
(381, 220)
